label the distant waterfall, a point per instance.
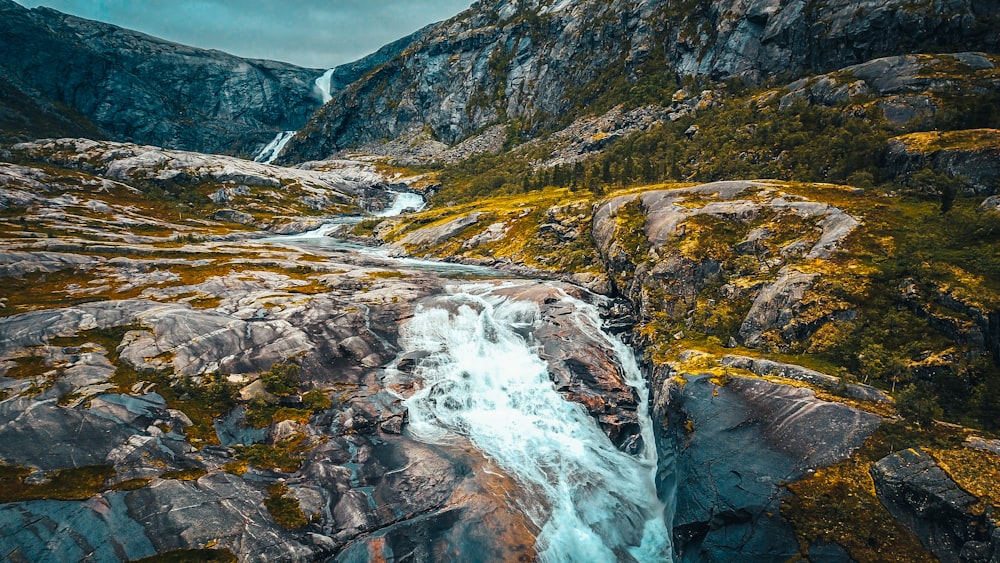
(483, 379)
(274, 148)
(324, 86)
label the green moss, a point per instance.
(282, 379)
(316, 401)
(285, 456)
(261, 414)
(28, 367)
(285, 509)
(190, 474)
(366, 227)
(78, 483)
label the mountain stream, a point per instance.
(481, 378)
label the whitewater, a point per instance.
(483, 380)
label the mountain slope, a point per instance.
(143, 89)
(537, 64)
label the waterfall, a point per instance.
(404, 201)
(274, 148)
(483, 380)
(324, 86)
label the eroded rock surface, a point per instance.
(736, 445)
(918, 492)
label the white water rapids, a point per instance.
(484, 380)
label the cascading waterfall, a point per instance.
(484, 380)
(324, 86)
(404, 201)
(269, 153)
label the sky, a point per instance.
(310, 33)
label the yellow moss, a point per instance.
(192, 474)
(975, 471)
(965, 140)
(77, 483)
(235, 467)
(838, 505)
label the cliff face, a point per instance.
(534, 63)
(142, 89)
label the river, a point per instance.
(481, 378)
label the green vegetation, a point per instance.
(284, 509)
(190, 474)
(282, 379)
(285, 456)
(838, 504)
(78, 483)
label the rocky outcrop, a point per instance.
(919, 493)
(525, 58)
(765, 367)
(666, 273)
(142, 89)
(905, 87)
(736, 445)
(234, 182)
(971, 157)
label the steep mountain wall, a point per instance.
(536, 63)
(143, 89)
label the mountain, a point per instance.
(87, 76)
(787, 209)
(537, 64)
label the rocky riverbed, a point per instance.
(171, 379)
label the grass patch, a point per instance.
(965, 140)
(977, 472)
(190, 474)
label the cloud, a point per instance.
(312, 33)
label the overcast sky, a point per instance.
(311, 33)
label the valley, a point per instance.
(670, 281)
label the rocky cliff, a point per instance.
(138, 88)
(522, 62)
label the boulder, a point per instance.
(733, 448)
(919, 493)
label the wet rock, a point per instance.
(582, 365)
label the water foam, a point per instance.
(324, 86)
(405, 201)
(485, 381)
